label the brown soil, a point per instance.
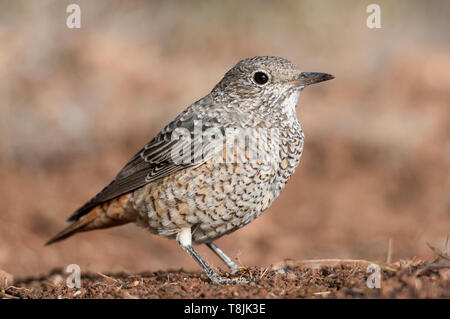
(412, 278)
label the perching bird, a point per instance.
(216, 167)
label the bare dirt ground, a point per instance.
(413, 278)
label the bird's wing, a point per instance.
(156, 160)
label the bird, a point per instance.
(215, 168)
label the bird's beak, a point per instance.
(308, 78)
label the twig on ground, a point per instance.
(446, 243)
(20, 288)
(238, 257)
(389, 254)
(264, 272)
(432, 266)
(4, 295)
(347, 280)
(107, 277)
(441, 254)
(318, 263)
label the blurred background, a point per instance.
(76, 104)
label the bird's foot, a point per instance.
(216, 278)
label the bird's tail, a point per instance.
(108, 214)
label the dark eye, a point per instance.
(261, 78)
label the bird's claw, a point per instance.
(222, 280)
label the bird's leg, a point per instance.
(184, 239)
(230, 263)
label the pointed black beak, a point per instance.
(308, 78)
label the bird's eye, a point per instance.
(260, 78)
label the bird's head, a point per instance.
(265, 82)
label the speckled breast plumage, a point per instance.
(216, 198)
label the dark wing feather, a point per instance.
(153, 162)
